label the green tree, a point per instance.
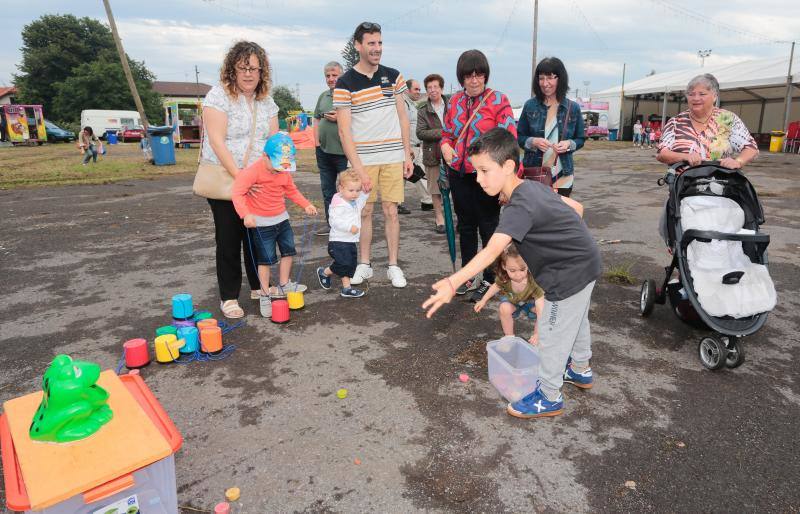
(349, 54)
(101, 84)
(52, 46)
(286, 101)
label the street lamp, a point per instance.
(702, 54)
(586, 84)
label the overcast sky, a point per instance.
(593, 37)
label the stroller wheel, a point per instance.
(647, 298)
(735, 356)
(713, 352)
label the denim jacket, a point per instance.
(531, 124)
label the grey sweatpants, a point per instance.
(564, 332)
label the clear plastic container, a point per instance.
(153, 491)
(513, 367)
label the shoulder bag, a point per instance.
(212, 180)
(544, 174)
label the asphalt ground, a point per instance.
(84, 268)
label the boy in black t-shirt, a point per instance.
(560, 253)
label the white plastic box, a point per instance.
(154, 491)
(513, 367)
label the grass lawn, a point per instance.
(60, 164)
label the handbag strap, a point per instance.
(249, 145)
(466, 125)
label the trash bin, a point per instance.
(776, 141)
(111, 137)
(612, 134)
(161, 145)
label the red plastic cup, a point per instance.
(280, 310)
(211, 339)
(222, 508)
(136, 353)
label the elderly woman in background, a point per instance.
(473, 111)
(705, 133)
(430, 117)
(238, 116)
(551, 125)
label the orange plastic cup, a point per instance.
(207, 323)
(211, 339)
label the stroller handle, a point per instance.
(679, 167)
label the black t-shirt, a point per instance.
(552, 239)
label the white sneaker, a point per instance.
(363, 272)
(265, 306)
(288, 288)
(395, 274)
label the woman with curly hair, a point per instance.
(238, 116)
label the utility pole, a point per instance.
(788, 100)
(702, 54)
(534, 78)
(621, 105)
(197, 85)
(125, 66)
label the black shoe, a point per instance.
(401, 209)
(426, 206)
(440, 229)
(477, 294)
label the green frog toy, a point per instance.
(73, 406)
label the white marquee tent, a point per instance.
(755, 90)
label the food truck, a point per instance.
(185, 119)
(22, 124)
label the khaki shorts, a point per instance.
(432, 174)
(387, 180)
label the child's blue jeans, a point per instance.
(265, 238)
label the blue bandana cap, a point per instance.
(281, 152)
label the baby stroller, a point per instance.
(712, 225)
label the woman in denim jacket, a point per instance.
(541, 130)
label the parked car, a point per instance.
(131, 134)
(56, 133)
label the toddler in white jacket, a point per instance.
(345, 221)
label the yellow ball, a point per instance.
(341, 394)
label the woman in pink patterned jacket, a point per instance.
(471, 112)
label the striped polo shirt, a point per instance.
(375, 124)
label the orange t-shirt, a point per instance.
(270, 199)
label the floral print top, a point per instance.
(240, 123)
(724, 136)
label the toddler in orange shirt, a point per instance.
(263, 210)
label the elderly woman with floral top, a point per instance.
(705, 133)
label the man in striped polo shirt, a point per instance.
(374, 130)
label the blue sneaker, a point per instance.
(536, 405)
(324, 280)
(352, 292)
(582, 379)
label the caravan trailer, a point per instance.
(102, 121)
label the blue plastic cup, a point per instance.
(191, 336)
(182, 306)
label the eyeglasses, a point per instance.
(248, 69)
(474, 76)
